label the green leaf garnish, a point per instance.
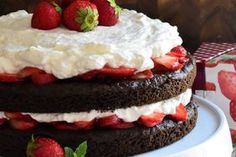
(80, 151)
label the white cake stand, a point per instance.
(210, 137)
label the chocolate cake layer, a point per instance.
(105, 142)
(99, 94)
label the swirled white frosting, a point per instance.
(130, 114)
(65, 53)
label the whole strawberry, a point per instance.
(44, 147)
(81, 16)
(66, 3)
(47, 15)
(109, 12)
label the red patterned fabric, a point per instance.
(209, 51)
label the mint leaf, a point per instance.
(81, 150)
(69, 152)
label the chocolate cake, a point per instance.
(125, 89)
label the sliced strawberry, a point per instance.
(89, 75)
(143, 75)
(108, 121)
(117, 72)
(29, 71)
(23, 124)
(181, 113)
(17, 115)
(63, 126)
(2, 121)
(122, 125)
(169, 62)
(152, 119)
(178, 51)
(10, 78)
(42, 79)
(84, 124)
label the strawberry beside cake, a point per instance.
(116, 79)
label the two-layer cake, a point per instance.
(124, 89)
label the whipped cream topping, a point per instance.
(130, 114)
(65, 53)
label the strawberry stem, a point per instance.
(87, 18)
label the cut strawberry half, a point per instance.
(108, 121)
(17, 115)
(152, 119)
(122, 125)
(178, 51)
(143, 75)
(23, 124)
(84, 124)
(2, 121)
(29, 71)
(63, 126)
(10, 78)
(89, 75)
(117, 72)
(43, 78)
(181, 113)
(168, 63)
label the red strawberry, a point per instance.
(23, 124)
(232, 109)
(63, 126)
(233, 135)
(152, 119)
(58, 2)
(108, 10)
(117, 72)
(44, 78)
(29, 71)
(66, 3)
(167, 63)
(108, 121)
(143, 75)
(81, 16)
(227, 82)
(178, 51)
(84, 124)
(210, 86)
(122, 125)
(181, 113)
(89, 75)
(17, 115)
(44, 147)
(46, 16)
(10, 78)
(2, 121)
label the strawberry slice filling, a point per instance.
(20, 121)
(172, 61)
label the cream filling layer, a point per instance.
(130, 114)
(131, 43)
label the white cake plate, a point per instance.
(210, 137)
